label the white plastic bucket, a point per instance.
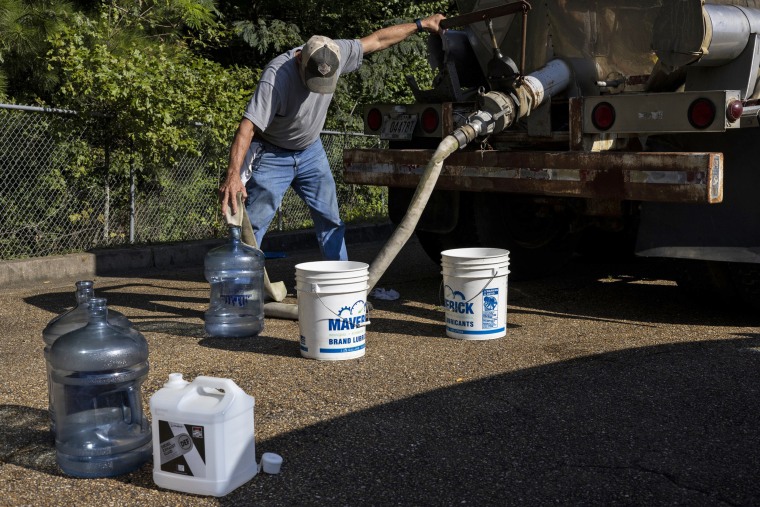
(475, 292)
(203, 436)
(332, 309)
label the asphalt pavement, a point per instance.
(611, 387)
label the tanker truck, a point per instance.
(615, 127)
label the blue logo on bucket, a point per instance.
(347, 320)
(453, 305)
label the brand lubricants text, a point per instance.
(459, 313)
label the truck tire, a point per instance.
(538, 234)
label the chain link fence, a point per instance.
(60, 195)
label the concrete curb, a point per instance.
(112, 261)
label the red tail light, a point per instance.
(430, 120)
(701, 113)
(603, 116)
(374, 119)
(734, 110)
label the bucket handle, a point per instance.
(315, 290)
(495, 272)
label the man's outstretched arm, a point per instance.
(387, 37)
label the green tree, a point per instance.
(25, 27)
(151, 87)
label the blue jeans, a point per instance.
(273, 170)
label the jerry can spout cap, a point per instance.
(175, 381)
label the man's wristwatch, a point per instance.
(418, 22)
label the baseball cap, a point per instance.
(320, 59)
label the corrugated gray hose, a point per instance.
(405, 228)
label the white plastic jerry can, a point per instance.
(203, 436)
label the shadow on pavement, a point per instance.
(261, 344)
(638, 291)
(669, 424)
(26, 440)
(153, 297)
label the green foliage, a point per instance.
(24, 31)
(164, 20)
(150, 93)
(263, 36)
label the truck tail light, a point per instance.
(701, 113)
(603, 116)
(734, 110)
(430, 120)
(374, 119)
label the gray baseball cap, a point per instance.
(320, 60)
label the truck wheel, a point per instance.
(538, 234)
(737, 284)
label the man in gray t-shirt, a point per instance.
(277, 144)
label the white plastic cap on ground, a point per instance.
(271, 463)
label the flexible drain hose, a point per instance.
(281, 310)
(405, 228)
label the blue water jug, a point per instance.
(236, 274)
(69, 321)
(96, 375)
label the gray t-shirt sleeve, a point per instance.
(351, 54)
(263, 106)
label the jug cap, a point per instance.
(175, 381)
(271, 462)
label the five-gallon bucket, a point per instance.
(203, 436)
(332, 308)
(475, 292)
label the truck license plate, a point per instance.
(399, 127)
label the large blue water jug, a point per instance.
(69, 321)
(236, 274)
(97, 372)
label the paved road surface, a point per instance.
(610, 388)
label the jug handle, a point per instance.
(225, 384)
(133, 400)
